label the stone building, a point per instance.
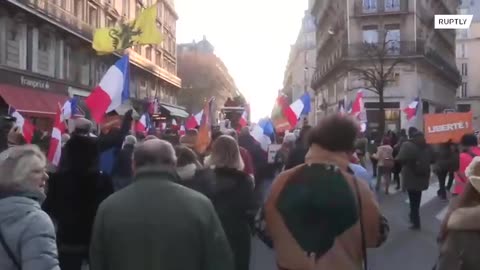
(46, 54)
(204, 75)
(468, 62)
(301, 64)
(427, 69)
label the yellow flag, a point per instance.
(142, 30)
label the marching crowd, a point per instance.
(122, 201)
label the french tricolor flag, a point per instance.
(142, 124)
(411, 110)
(55, 150)
(26, 127)
(243, 122)
(194, 120)
(262, 131)
(357, 105)
(112, 90)
(300, 107)
(69, 109)
(182, 131)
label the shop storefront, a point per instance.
(35, 97)
(166, 115)
(392, 116)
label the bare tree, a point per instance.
(375, 66)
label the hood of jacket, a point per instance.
(317, 154)
(81, 153)
(187, 172)
(15, 207)
(465, 219)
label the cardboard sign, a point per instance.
(440, 128)
(272, 152)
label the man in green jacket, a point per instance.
(155, 223)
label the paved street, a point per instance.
(405, 249)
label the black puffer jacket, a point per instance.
(231, 192)
(75, 192)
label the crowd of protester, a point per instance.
(129, 201)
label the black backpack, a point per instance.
(421, 165)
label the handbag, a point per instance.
(9, 252)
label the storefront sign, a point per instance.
(31, 81)
(34, 83)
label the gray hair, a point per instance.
(225, 154)
(130, 139)
(154, 152)
(16, 165)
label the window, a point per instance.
(394, 80)
(462, 50)
(138, 9)
(43, 42)
(465, 69)
(392, 5)
(370, 34)
(110, 21)
(125, 8)
(92, 16)
(67, 61)
(138, 49)
(393, 38)
(463, 107)
(78, 9)
(158, 58)
(148, 52)
(159, 11)
(464, 90)
(12, 46)
(369, 5)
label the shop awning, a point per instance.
(32, 102)
(174, 111)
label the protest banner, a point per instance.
(440, 128)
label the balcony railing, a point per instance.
(380, 7)
(391, 49)
(367, 52)
(65, 18)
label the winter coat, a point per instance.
(341, 246)
(75, 192)
(155, 223)
(28, 232)
(444, 158)
(259, 157)
(247, 161)
(384, 152)
(296, 156)
(231, 192)
(460, 248)
(123, 171)
(409, 154)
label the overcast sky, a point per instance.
(252, 37)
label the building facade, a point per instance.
(46, 51)
(426, 57)
(468, 62)
(301, 65)
(204, 75)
